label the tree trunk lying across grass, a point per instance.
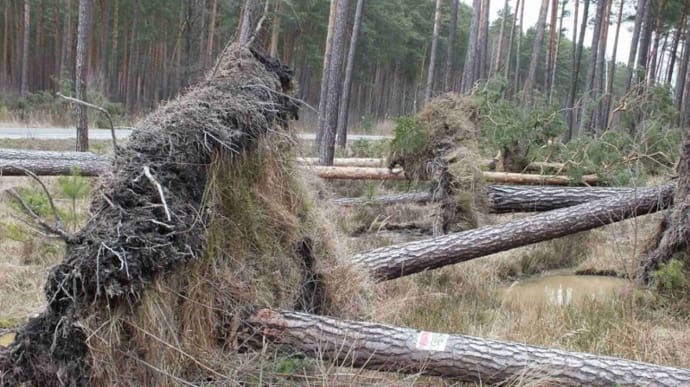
(507, 198)
(388, 348)
(347, 161)
(408, 258)
(47, 163)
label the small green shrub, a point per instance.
(74, 187)
(670, 278)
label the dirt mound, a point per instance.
(201, 220)
(442, 144)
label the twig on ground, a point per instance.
(100, 109)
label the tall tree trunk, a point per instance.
(483, 42)
(600, 70)
(635, 42)
(586, 111)
(681, 77)
(434, 47)
(81, 72)
(392, 262)
(323, 95)
(550, 67)
(577, 62)
(511, 38)
(343, 116)
(536, 49)
(645, 40)
(211, 34)
(674, 45)
(612, 68)
(468, 72)
(381, 347)
(452, 31)
(66, 55)
(114, 63)
(275, 30)
(24, 77)
(5, 59)
(245, 27)
(327, 149)
(654, 53)
(558, 50)
(516, 84)
(499, 59)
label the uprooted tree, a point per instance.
(202, 236)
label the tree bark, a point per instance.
(632, 55)
(612, 69)
(275, 30)
(682, 74)
(346, 162)
(674, 45)
(550, 66)
(468, 71)
(498, 62)
(432, 58)
(536, 49)
(483, 42)
(245, 27)
(327, 148)
(645, 40)
(506, 198)
(392, 262)
(519, 50)
(381, 347)
(24, 75)
(344, 109)
(83, 38)
(511, 38)
(452, 30)
(323, 94)
(45, 163)
(211, 34)
(577, 61)
(585, 110)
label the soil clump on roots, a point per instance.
(441, 144)
(202, 220)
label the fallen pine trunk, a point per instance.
(511, 198)
(408, 258)
(506, 198)
(388, 348)
(361, 173)
(346, 162)
(46, 163)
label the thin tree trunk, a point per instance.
(245, 28)
(550, 67)
(600, 71)
(83, 36)
(275, 30)
(408, 258)
(498, 62)
(653, 62)
(323, 95)
(343, 115)
(434, 47)
(114, 63)
(556, 54)
(635, 42)
(516, 85)
(681, 77)
(327, 148)
(15, 162)
(483, 42)
(612, 67)
(452, 30)
(536, 49)
(577, 61)
(645, 41)
(511, 38)
(674, 45)
(381, 347)
(24, 79)
(585, 111)
(212, 34)
(468, 74)
(5, 60)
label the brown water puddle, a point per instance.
(562, 289)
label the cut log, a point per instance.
(46, 163)
(346, 162)
(400, 260)
(388, 348)
(506, 198)
(543, 165)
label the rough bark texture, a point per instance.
(347, 83)
(323, 93)
(571, 105)
(23, 87)
(676, 236)
(382, 347)
(396, 261)
(81, 74)
(46, 163)
(347, 162)
(357, 173)
(589, 91)
(634, 43)
(468, 73)
(506, 198)
(432, 58)
(327, 147)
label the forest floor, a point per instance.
(469, 298)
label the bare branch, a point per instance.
(96, 107)
(259, 24)
(147, 173)
(58, 220)
(47, 227)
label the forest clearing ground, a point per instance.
(466, 298)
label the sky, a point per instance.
(532, 14)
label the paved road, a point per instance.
(104, 134)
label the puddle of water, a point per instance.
(7, 339)
(562, 289)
